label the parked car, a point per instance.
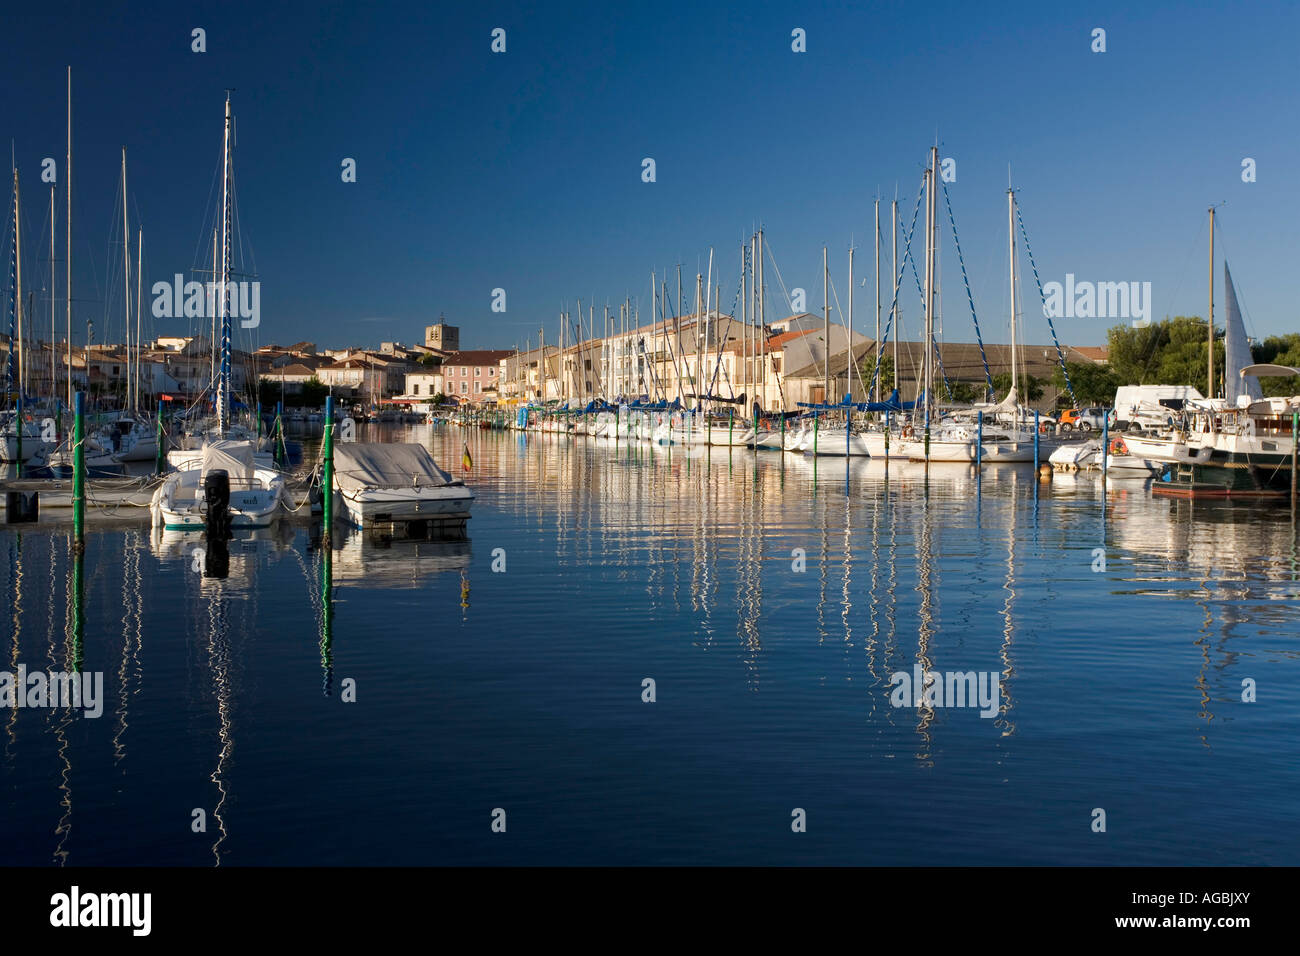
(1084, 419)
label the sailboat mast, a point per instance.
(126, 283)
(68, 284)
(139, 270)
(1011, 255)
(893, 233)
(826, 328)
(929, 284)
(848, 345)
(223, 387)
(755, 272)
(54, 354)
(18, 287)
(1210, 377)
(876, 396)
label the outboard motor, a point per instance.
(216, 498)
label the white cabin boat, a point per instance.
(379, 483)
(257, 492)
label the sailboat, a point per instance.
(1243, 444)
(226, 464)
(20, 438)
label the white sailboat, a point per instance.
(256, 491)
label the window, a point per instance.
(463, 371)
(415, 389)
(478, 387)
(492, 371)
(464, 387)
(477, 372)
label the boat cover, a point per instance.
(235, 457)
(359, 466)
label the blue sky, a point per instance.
(522, 170)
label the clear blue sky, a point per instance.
(522, 170)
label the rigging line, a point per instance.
(1060, 354)
(893, 308)
(988, 376)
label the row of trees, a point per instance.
(1173, 352)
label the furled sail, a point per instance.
(1236, 350)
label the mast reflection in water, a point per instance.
(363, 708)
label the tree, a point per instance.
(1279, 350)
(1168, 352)
(314, 392)
(1093, 384)
(1031, 388)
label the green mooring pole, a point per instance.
(79, 471)
(327, 475)
(160, 455)
(18, 429)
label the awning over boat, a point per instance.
(233, 457)
(1266, 371)
(363, 465)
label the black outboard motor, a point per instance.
(216, 497)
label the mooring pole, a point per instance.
(1035, 441)
(18, 427)
(979, 440)
(327, 475)
(1105, 447)
(160, 454)
(78, 471)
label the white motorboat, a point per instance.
(257, 492)
(379, 483)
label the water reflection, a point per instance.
(615, 549)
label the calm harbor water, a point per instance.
(769, 598)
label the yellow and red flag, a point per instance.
(466, 462)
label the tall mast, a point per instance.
(744, 315)
(223, 386)
(762, 311)
(1210, 392)
(139, 270)
(54, 353)
(848, 346)
(928, 378)
(826, 324)
(68, 227)
(876, 396)
(677, 327)
(1011, 255)
(18, 287)
(699, 318)
(126, 283)
(893, 241)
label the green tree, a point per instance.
(314, 392)
(1093, 384)
(1279, 350)
(1168, 352)
(1031, 388)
